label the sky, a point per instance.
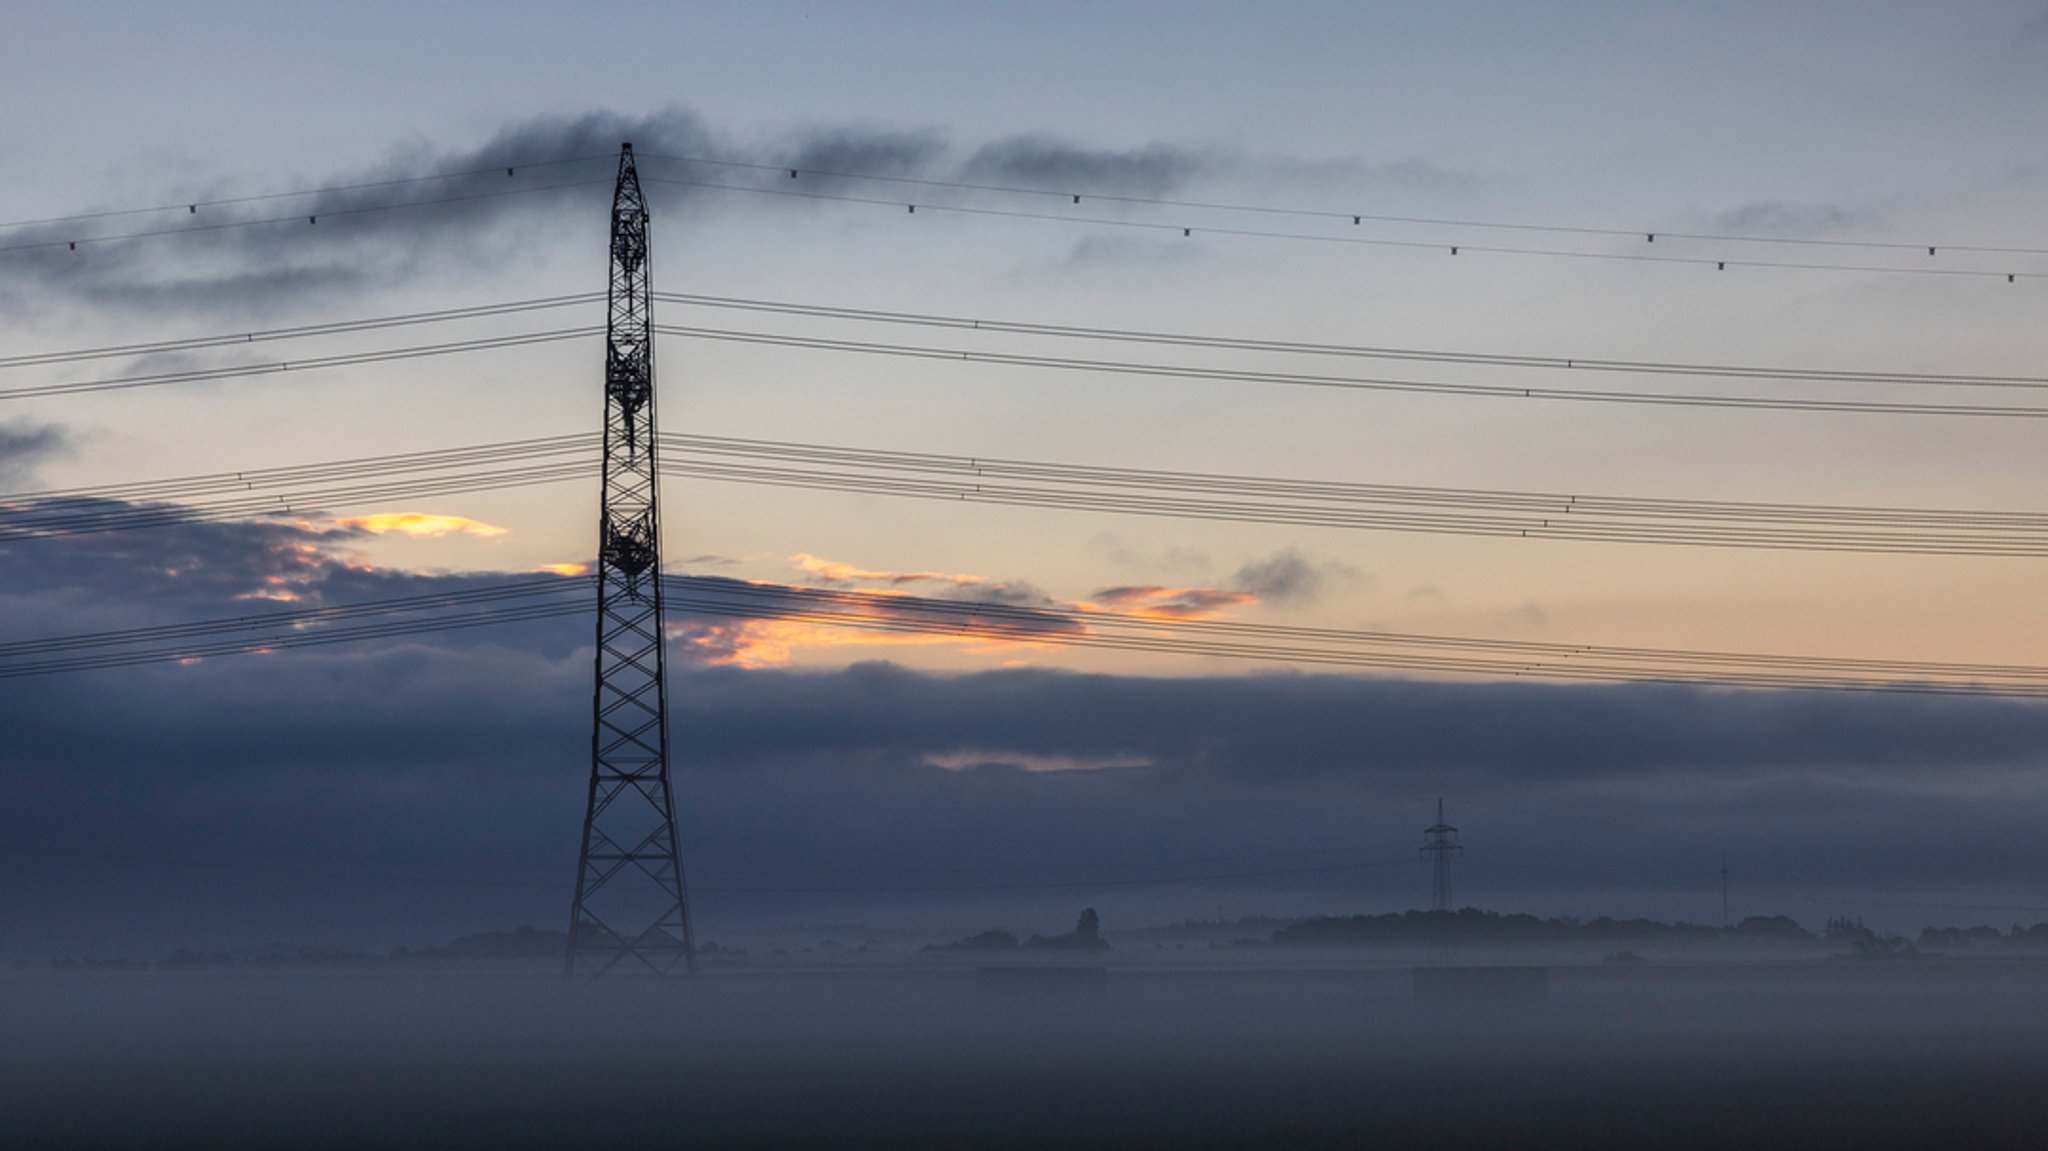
(404, 790)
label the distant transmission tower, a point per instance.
(1724, 889)
(1438, 850)
(630, 906)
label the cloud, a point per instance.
(24, 446)
(769, 631)
(788, 620)
(1289, 579)
(1787, 218)
(1412, 174)
(461, 220)
(1039, 161)
(776, 642)
(196, 570)
(969, 759)
(290, 777)
(531, 172)
(419, 525)
(929, 584)
(1155, 602)
(1174, 560)
(834, 572)
(2032, 36)
(1153, 250)
(870, 151)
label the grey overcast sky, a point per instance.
(404, 790)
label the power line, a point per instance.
(354, 634)
(1036, 625)
(250, 478)
(1336, 647)
(1759, 373)
(490, 605)
(72, 243)
(1649, 235)
(127, 517)
(291, 618)
(303, 488)
(267, 335)
(1261, 499)
(1066, 364)
(1302, 347)
(239, 371)
(191, 207)
(1076, 195)
(1360, 383)
(1020, 327)
(1188, 230)
(995, 481)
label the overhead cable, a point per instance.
(1334, 647)
(191, 207)
(981, 480)
(1292, 349)
(1189, 229)
(72, 243)
(1302, 347)
(1034, 625)
(301, 331)
(1361, 383)
(1077, 194)
(275, 367)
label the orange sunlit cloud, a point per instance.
(761, 643)
(1168, 603)
(1046, 621)
(832, 571)
(420, 524)
(564, 569)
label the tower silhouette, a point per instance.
(630, 906)
(1438, 849)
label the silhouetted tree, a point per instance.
(985, 941)
(1844, 929)
(1089, 929)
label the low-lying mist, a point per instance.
(1326, 1051)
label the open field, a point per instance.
(1810, 1055)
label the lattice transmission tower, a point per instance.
(630, 904)
(1438, 848)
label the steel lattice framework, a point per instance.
(1438, 850)
(630, 906)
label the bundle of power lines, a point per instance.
(307, 489)
(710, 600)
(311, 489)
(513, 176)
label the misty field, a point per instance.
(1808, 1055)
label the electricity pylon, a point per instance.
(630, 907)
(1438, 850)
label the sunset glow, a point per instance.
(420, 525)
